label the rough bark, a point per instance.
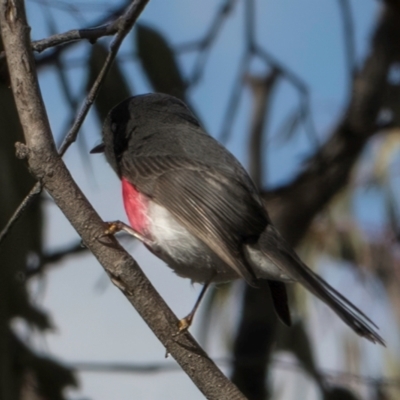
(46, 165)
(293, 206)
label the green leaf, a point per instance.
(289, 126)
(159, 63)
(115, 87)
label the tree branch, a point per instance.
(348, 37)
(90, 34)
(330, 375)
(35, 191)
(54, 258)
(262, 91)
(47, 166)
(124, 25)
(293, 206)
(63, 40)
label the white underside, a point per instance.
(191, 258)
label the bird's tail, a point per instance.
(275, 248)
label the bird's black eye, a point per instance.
(114, 127)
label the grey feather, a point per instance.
(156, 143)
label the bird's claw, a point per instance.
(112, 228)
(184, 324)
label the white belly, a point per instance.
(188, 256)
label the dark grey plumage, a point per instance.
(156, 143)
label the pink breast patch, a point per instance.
(136, 205)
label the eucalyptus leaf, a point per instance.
(159, 62)
(114, 88)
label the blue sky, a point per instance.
(95, 325)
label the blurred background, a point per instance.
(306, 94)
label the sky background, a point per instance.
(93, 320)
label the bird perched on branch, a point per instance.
(194, 206)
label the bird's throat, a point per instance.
(136, 207)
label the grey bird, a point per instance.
(194, 206)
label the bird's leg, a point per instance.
(117, 226)
(185, 323)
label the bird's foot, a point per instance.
(114, 227)
(184, 324)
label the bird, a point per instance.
(193, 205)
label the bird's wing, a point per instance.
(214, 207)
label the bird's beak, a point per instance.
(98, 149)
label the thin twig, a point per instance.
(204, 44)
(234, 99)
(255, 49)
(286, 72)
(65, 87)
(301, 87)
(236, 92)
(49, 58)
(348, 38)
(262, 89)
(91, 34)
(35, 191)
(74, 35)
(249, 25)
(55, 257)
(252, 48)
(158, 367)
(45, 162)
(73, 105)
(124, 25)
